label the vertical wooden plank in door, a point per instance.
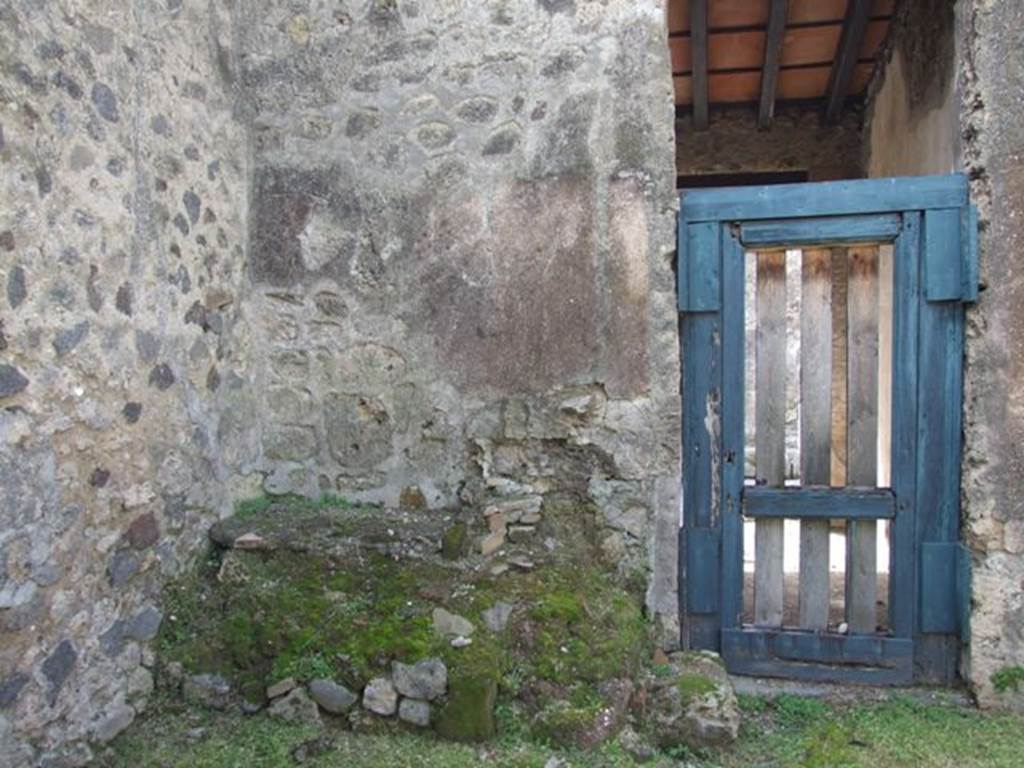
(839, 270)
(701, 334)
(940, 398)
(903, 576)
(862, 433)
(885, 329)
(815, 428)
(770, 434)
(733, 379)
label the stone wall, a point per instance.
(460, 281)
(797, 141)
(121, 252)
(416, 253)
(951, 99)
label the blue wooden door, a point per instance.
(822, 345)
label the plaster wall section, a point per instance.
(459, 273)
(122, 175)
(912, 126)
(991, 109)
(952, 98)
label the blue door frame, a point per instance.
(932, 226)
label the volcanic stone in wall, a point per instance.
(359, 430)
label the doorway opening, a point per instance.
(818, 413)
(782, 92)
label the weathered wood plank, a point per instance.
(770, 417)
(820, 648)
(829, 198)
(702, 569)
(839, 355)
(772, 58)
(940, 389)
(940, 611)
(834, 230)
(903, 576)
(943, 255)
(885, 365)
(734, 265)
(809, 503)
(701, 385)
(819, 657)
(901, 673)
(699, 67)
(862, 434)
(700, 382)
(969, 247)
(854, 27)
(699, 268)
(815, 429)
(940, 394)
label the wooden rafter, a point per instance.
(772, 58)
(699, 67)
(854, 26)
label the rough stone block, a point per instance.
(359, 430)
(426, 679)
(415, 712)
(289, 442)
(296, 707)
(12, 381)
(281, 687)
(380, 697)
(332, 697)
(451, 624)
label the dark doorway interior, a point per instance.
(706, 180)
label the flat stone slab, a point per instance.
(451, 624)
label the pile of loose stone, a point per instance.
(409, 693)
(513, 520)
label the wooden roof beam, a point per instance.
(772, 59)
(854, 27)
(699, 67)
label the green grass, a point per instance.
(811, 733)
(789, 731)
(163, 740)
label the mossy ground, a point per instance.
(691, 686)
(788, 731)
(259, 617)
(284, 614)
